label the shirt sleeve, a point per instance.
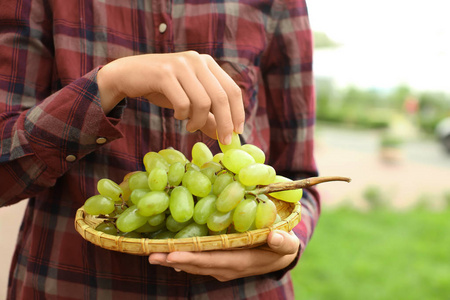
(43, 133)
(289, 89)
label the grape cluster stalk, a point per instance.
(228, 192)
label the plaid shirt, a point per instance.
(56, 142)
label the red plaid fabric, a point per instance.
(50, 52)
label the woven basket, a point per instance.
(85, 224)
(290, 214)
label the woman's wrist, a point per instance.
(108, 91)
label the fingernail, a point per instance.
(154, 262)
(227, 140)
(240, 128)
(178, 270)
(188, 127)
(276, 240)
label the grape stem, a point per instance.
(297, 184)
(258, 199)
(224, 169)
(108, 218)
(123, 205)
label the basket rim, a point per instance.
(145, 246)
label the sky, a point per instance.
(385, 43)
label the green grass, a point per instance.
(381, 254)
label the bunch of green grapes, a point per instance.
(178, 198)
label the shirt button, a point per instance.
(71, 158)
(100, 140)
(162, 27)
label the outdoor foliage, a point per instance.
(379, 254)
(375, 109)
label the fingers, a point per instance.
(227, 265)
(283, 242)
(205, 260)
(223, 265)
(174, 96)
(210, 127)
(227, 104)
(194, 85)
(198, 93)
(208, 89)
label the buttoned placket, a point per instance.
(164, 36)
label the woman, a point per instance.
(88, 87)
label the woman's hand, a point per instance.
(192, 84)
(231, 264)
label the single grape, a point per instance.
(236, 159)
(172, 156)
(131, 235)
(219, 221)
(126, 191)
(153, 203)
(244, 214)
(201, 154)
(149, 228)
(130, 220)
(218, 157)
(256, 152)
(174, 226)
(109, 188)
(230, 197)
(266, 213)
(249, 187)
(157, 179)
(129, 174)
(292, 196)
(137, 194)
(253, 226)
(191, 166)
(197, 183)
(155, 160)
(144, 228)
(157, 219)
(271, 174)
(176, 173)
(181, 204)
(221, 182)
(192, 230)
(211, 169)
(204, 208)
(99, 205)
(257, 174)
(235, 143)
(164, 235)
(210, 173)
(138, 180)
(225, 231)
(217, 167)
(107, 227)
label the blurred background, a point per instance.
(382, 77)
(383, 96)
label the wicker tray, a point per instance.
(290, 214)
(85, 224)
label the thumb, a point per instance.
(283, 242)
